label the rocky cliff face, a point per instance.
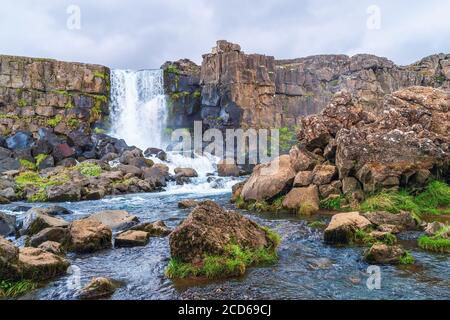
(62, 96)
(241, 90)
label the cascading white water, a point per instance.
(138, 112)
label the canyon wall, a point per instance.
(253, 90)
(62, 96)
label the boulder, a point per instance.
(55, 234)
(209, 229)
(350, 185)
(303, 179)
(186, 172)
(384, 254)
(334, 188)
(303, 200)
(140, 162)
(52, 247)
(69, 192)
(57, 211)
(99, 288)
(115, 219)
(303, 160)
(4, 200)
(403, 220)
(9, 256)
(20, 140)
(39, 265)
(343, 226)
(156, 175)
(37, 220)
(228, 168)
(187, 204)
(269, 180)
(153, 229)
(155, 152)
(131, 238)
(324, 174)
(128, 155)
(129, 169)
(62, 151)
(8, 164)
(47, 162)
(7, 224)
(236, 191)
(89, 235)
(41, 146)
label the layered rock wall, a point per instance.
(62, 96)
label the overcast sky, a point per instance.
(138, 34)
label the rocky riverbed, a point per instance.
(307, 267)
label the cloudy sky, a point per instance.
(140, 34)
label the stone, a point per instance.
(7, 224)
(333, 188)
(236, 191)
(304, 201)
(8, 164)
(57, 211)
(209, 229)
(89, 235)
(47, 162)
(186, 172)
(9, 256)
(156, 175)
(19, 140)
(384, 254)
(434, 227)
(4, 200)
(128, 155)
(227, 168)
(403, 220)
(303, 179)
(187, 204)
(324, 174)
(115, 219)
(302, 160)
(52, 247)
(37, 220)
(153, 229)
(343, 226)
(350, 185)
(62, 151)
(39, 265)
(129, 169)
(131, 238)
(69, 192)
(155, 152)
(55, 234)
(99, 288)
(269, 180)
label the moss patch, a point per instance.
(34, 180)
(407, 259)
(89, 169)
(27, 164)
(53, 122)
(365, 238)
(274, 206)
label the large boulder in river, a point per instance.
(381, 253)
(55, 234)
(154, 229)
(40, 265)
(209, 229)
(99, 288)
(36, 220)
(269, 180)
(115, 219)
(89, 235)
(343, 227)
(186, 172)
(305, 201)
(402, 220)
(131, 238)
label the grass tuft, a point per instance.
(14, 289)
(407, 259)
(89, 169)
(438, 243)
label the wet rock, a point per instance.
(57, 211)
(228, 168)
(99, 288)
(131, 238)
(115, 219)
(304, 200)
(128, 155)
(55, 234)
(187, 204)
(4, 200)
(89, 235)
(269, 180)
(21, 209)
(402, 220)
(186, 172)
(37, 220)
(343, 226)
(156, 175)
(209, 229)
(303, 179)
(52, 247)
(384, 254)
(39, 265)
(9, 256)
(7, 224)
(155, 152)
(153, 229)
(237, 191)
(20, 140)
(69, 162)
(389, 228)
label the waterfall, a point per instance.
(138, 107)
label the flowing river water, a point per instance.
(307, 268)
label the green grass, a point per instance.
(436, 243)
(27, 164)
(54, 121)
(233, 262)
(73, 123)
(14, 289)
(22, 103)
(366, 239)
(99, 131)
(173, 69)
(288, 138)
(89, 169)
(261, 206)
(317, 225)
(435, 199)
(407, 259)
(39, 158)
(333, 203)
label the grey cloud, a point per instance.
(144, 34)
